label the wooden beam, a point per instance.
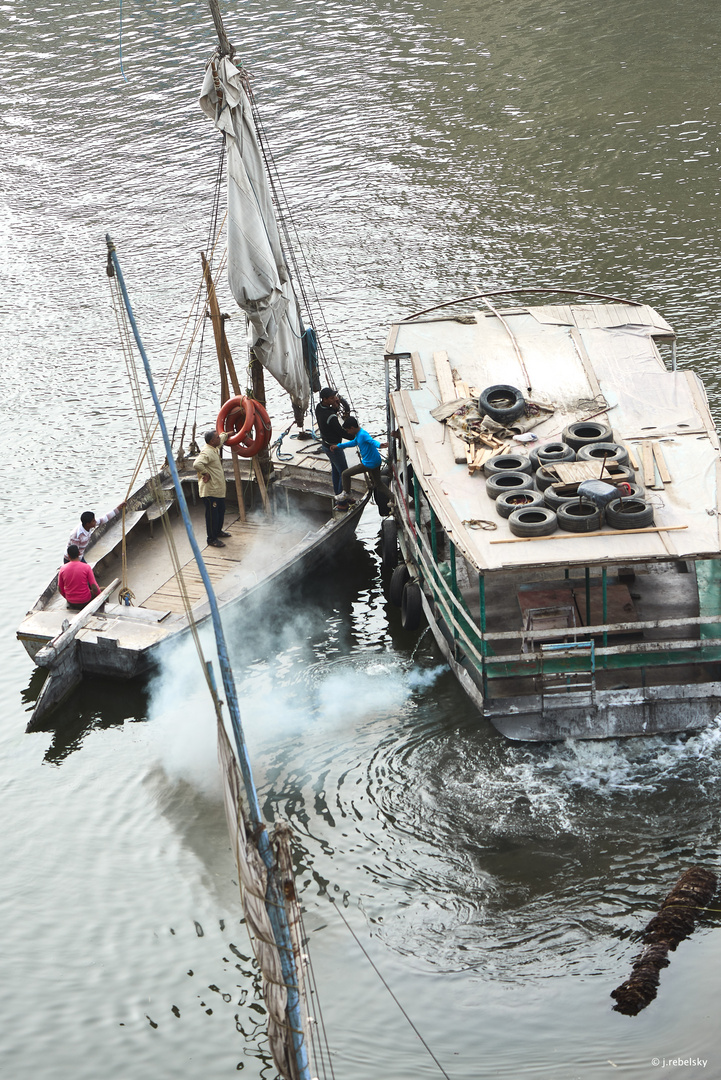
(661, 464)
(408, 406)
(579, 536)
(447, 390)
(49, 653)
(649, 472)
(419, 374)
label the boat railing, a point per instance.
(475, 642)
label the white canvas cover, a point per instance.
(257, 271)
(570, 355)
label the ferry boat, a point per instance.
(556, 518)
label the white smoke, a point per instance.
(284, 692)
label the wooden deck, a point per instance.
(257, 535)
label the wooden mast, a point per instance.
(226, 49)
(227, 367)
(261, 461)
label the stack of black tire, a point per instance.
(522, 486)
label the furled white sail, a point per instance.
(257, 271)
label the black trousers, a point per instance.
(214, 516)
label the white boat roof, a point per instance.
(574, 357)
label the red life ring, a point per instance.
(236, 415)
(261, 434)
(261, 411)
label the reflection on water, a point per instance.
(94, 706)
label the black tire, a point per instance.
(578, 516)
(502, 403)
(545, 479)
(629, 514)
(614, 453)
(585, 432)
(508, 481)
(399, 577)
(620, 473)
(508, 463)
(553, 500)
(518, 500)
(381, 502)
(411, 606)
(389, 543)
(552, 451)
(538, 521)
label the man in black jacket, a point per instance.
(331, 432)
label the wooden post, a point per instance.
(257, 376)
(227, 367)
(261, 483)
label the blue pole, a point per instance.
(274, 897)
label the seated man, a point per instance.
(76, 581)
(81, 536)
(370, 464)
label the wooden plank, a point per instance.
(419, 375)
(579, 536)
(447, 390)
(632, 460)
(661, 464)
(428, 469)
(478, 458)
(446, 386)
(50, 653)
(573, 472)
(409, 407)
(649, 472)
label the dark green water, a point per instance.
(428, 149)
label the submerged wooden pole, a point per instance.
(675, 921)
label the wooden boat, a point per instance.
(610, 630)
(266, 551)
(282, 517)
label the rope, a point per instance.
(320, 1045)
(120, 42)
(370, 961)
(159, 495)
(125, 594)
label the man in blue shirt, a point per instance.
(370, 464)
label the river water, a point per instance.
(428, 150)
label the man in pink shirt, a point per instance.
(76, 581)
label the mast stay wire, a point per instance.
(318, 1038)
(373, 965)
(193, 313)
(156, 487)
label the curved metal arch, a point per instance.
(533, 289)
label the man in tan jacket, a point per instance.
(211, 486)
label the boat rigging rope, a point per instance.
(370, 961)
(319, 1044)
(120, 42)
(160, 497)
